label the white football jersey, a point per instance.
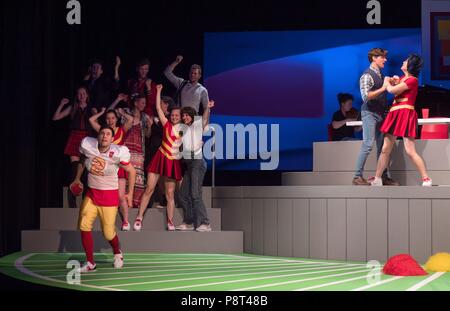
(103, 167)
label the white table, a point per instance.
(421, 121)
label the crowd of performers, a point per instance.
(134, 147)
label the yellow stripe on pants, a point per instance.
(107, 214)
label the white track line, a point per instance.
(432, 277)
(332, 283)
(211, 270)
(378, 283)
(299, 281)
(199, 265)
(19, 266)
(256, 279)
(205, 277)
(138, 261)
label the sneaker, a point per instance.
(390, 182)
(163, 203)
(376, 181)
(160, 205)
(170, 226)
(87, 267)
(118, 260)
(137, 226)
(359, 181)
(203, 228)
(126, 226)
(427, 182)
(184, 227)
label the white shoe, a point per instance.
(87, 267)
(137, 226)
(126, 226)
(170, 226)
(376, 181)
(427, 182)
(118, 260)
(203, 228)
(184, 227)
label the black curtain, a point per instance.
(43, 59)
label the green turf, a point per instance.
(210, 272)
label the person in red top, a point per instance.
(143, 85)
(401, 120)
(164, 163)
(79, 114)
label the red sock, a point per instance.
(88, 245)
(115, 245)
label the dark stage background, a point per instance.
(43, 59)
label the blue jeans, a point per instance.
(371, 133)
(191, 199)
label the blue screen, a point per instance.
(291, 78)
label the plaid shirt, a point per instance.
(366, 83)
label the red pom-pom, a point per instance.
(403, 265)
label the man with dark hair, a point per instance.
(102, 160)
(100, 87)
(373, 86)
(346, 113)
(190, 93)
(142, 85)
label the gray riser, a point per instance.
(155, 219)
(145, 241)
(342, 156)
(206, 197)
(406, 178)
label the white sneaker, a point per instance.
(376, 181)
(427, 182)
(137, 226)
(118, 260)
(126, 226)
(203, 228)
(87, 267)
(170, 226)
(184, 227)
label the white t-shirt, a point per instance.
(103, 167)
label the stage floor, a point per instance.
(213, 272)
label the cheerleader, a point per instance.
(79, 115)
(401, 120)
(164, 163)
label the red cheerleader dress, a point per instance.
(402, 118)
(165, 162)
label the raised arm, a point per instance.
(119, 98)
(94, 120)
(207, 113)
(116, 69)
(168, 72)
(61, 113)
(128, 119)
(161, 115)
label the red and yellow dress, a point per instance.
(402, 118)
(166, 160)
(79, 130)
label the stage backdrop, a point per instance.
(291, 78)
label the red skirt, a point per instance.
(401, 122)
(122, 173)
(165, 167)
(73, 143)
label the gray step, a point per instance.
(206, 197)
(146, 241)
(155, 219)
(405, 178)
(341, 156)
